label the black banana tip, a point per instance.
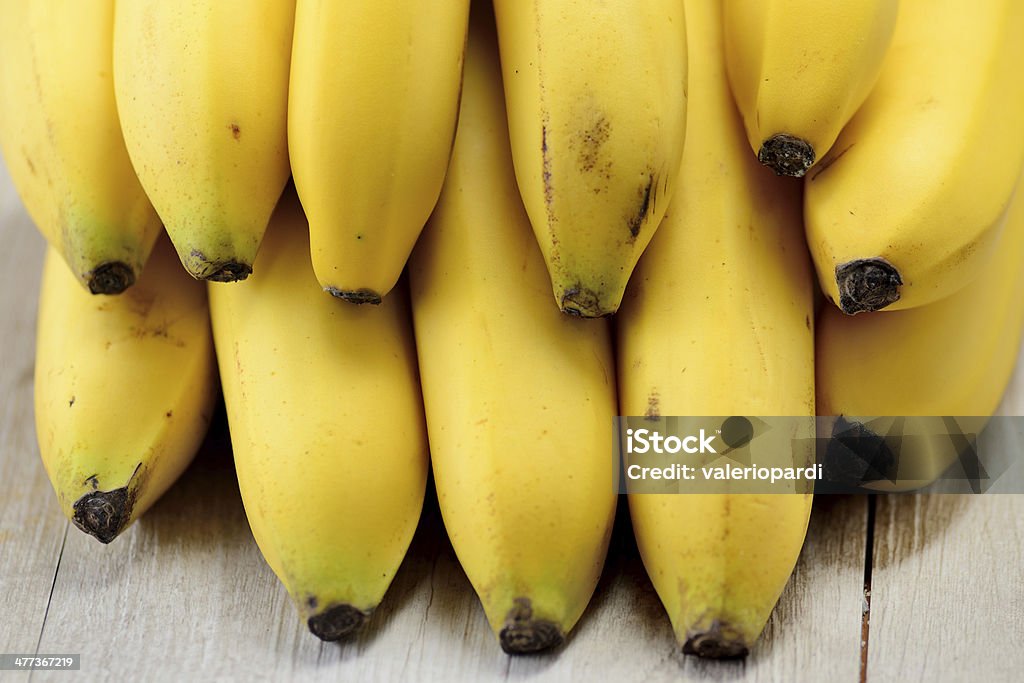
(228, 271)
(356, 296)
(103, 514)
(721, 641)
(524, 635)
(867, 285)
(787, 155)
(581, 302)
(112, 277)
(336, 622)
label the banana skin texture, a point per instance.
(728, 334)
(326, 421)
(61, 138)
(908, 206)
(202, 92)
(124, 389)
(596, 102)
(519, 397)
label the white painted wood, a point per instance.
(948, 589)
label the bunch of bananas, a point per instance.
(551, 163)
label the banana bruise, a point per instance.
(799, 70)
(519, 398)
(326, 420)
(596, 105)
(372, 110)
(915, 370)
(202, 92)
(124, 389)
(728, 334)
(61, 138)
(908, 205)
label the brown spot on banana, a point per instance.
(648, 198)
(653, 405)
(590, 141)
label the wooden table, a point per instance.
(900, 588)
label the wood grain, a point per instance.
(947, 596)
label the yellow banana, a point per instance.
(372, 110)
(728, 334)
(519, 398)
(906, 208)
(799, 70)
(596, 96)
(202, 90)
(332, 491)
(951, 358)
(60, 135)
(124, 389)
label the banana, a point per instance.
(949, 359)
(332, 491)
(799, 70)
(371, 117)
(907, 207)
(694, 341)
(61, 138)
(124, 389)
(519, 398)
(596, 95)
(202, 90)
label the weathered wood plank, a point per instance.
(31, 524)
(947, 603)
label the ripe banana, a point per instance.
(202, 88)
(951, 358)
(61, 137)
(728, 334)
(124, 389)
(596, 97)
(519, 398)
(371, 116)
(333, 492)
(799, 70)
(906, 209)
